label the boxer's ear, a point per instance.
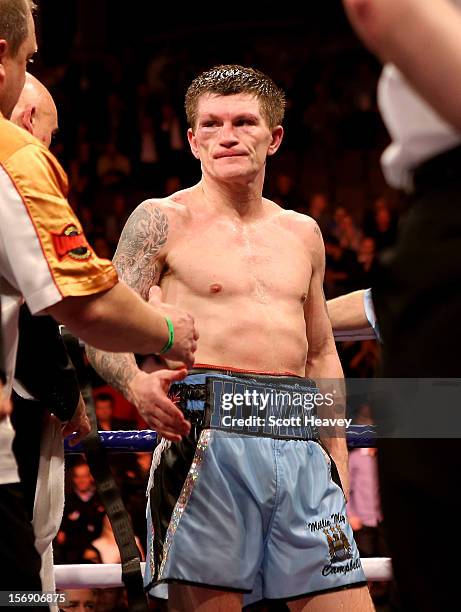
(277, 137)
(193, 143)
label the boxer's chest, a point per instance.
(264, 260)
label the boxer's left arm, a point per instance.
(322, 364)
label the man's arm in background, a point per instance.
(117, 320)
(353, 316)
(423, 39)
(347, 312)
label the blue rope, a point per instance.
(358, 436)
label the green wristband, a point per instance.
(170, 342)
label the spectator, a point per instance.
(104, 408)
(366, 259)
(285, 193)
(338, 215)
(170, 133)
(83, 514)
(348, 234)
(318, 210)
(91, 555)
(384, 231)
(148, 170)
(341, 268)
(82, 170)
(107, 546)
(364, 505)
(112, 166)
(80, 600)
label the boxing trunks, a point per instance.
(248, 505)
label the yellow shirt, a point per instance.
(44, 255)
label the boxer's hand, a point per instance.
(185, 335)
(78, 425)
(148, 392)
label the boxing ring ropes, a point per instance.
(109, 575)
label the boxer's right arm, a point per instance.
(139, 260)
(137, 263)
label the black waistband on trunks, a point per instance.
(261, 405)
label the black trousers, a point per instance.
(20, 561)
(417, 296)
(27, 419)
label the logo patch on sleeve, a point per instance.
(71, 242)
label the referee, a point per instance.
(417, 294)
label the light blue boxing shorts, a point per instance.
(250, 501)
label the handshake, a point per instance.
(182, 340)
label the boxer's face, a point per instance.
(13, 69)
(231, 137)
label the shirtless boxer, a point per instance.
(252, 509)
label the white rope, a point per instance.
(106, 575)
(89, 576)
(162, 446)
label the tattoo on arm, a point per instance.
(142, 239)
(117, 369)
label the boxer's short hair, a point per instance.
(231, 79)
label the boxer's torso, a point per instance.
(245, 282)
